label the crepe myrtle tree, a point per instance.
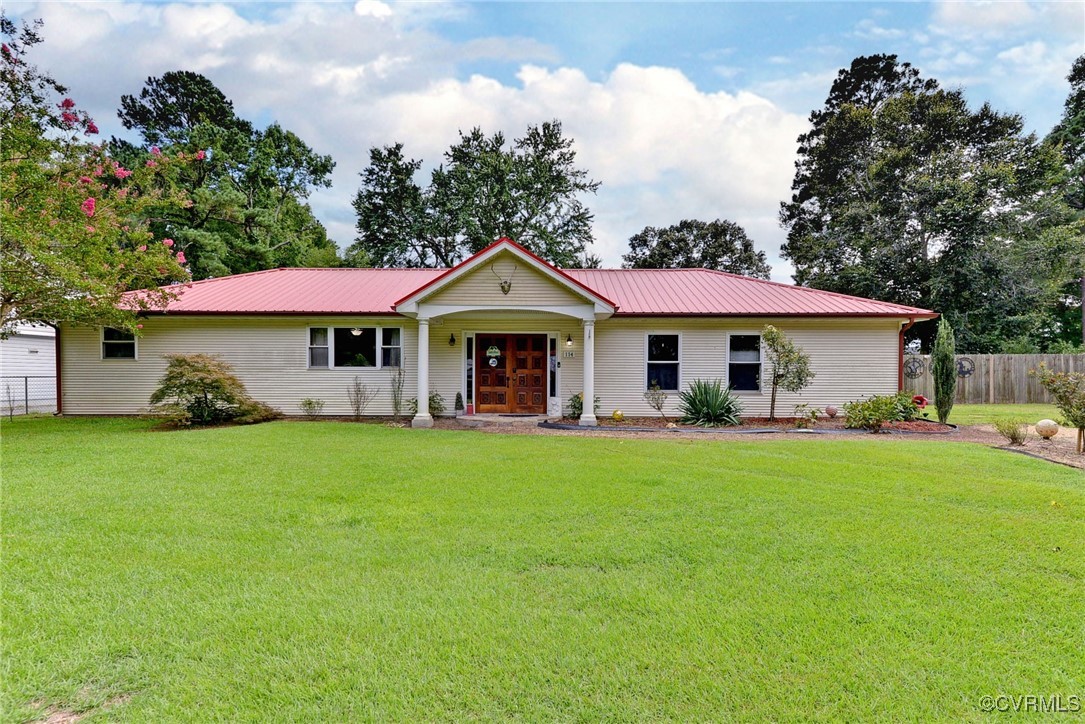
(790, 364)
(75, 221)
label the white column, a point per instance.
(422, 418)
(587, 417)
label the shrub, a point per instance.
(576, 405)
(396, 380)
(200, 389)
(707, 403)
(312, 408)
(806, 416)
(359, 396)
(871, 413)
(1068, 391)
(656, 399)
(436, 404)
(459, 401)
(790, 365)
(944, 369)
(907, 407)
(1014, 431)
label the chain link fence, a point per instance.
(26, 394)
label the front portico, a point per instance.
(506, 370)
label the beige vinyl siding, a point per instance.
(852, 358)
(269, 354)
(483, 288)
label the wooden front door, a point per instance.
(511, 373)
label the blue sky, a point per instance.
(681, 110)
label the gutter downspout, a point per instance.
(59, 370)
(900, 361)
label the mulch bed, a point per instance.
(762, 423)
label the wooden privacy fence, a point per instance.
(991, 378)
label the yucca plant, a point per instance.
(707, 403)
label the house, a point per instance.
(28, 364)
(508, 331)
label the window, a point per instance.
(391, 348)
(355, 347)
(372, 347)
(744, 362)
(663, 361)
(318, 347)
(118, 344)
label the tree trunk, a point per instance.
(772, 400)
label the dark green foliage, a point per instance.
(721, 245)
(904, 193)
(944, 370)
(459, 401)
(200, 389)
(576, 405)
(872, 413)
(1069, 136)
(905, 406)
(249, 189)
(707, 403)
(485, 189)
(436, 404)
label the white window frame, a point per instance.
(647, 361)
(760, 363)
(379, 331)
(102, 342)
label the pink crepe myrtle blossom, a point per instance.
(121, 172)
(139, 326)
(90, 229)
(91, 128)
(69, 118)
(123, 193)
(200, 155)
(84, 179)
(151, 164)
(168, 242)
(156, 151)
(180, 257)
(141, 247)
(88, 206)
(67, 104)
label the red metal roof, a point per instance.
(708, 292)
(659, 292)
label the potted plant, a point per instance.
(459, 404)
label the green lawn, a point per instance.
(330, 571)
(987, 414)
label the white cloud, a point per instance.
(869, 29)
(956, 16)
(372, 9)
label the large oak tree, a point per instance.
(530, 191)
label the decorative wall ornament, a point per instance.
(914, 367)
(506, 284)
(965, 366)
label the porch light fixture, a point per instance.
(452, 340)
(357, 331)
(569, 341)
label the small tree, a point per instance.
(944, 370)
(201, 389)
(790, 365)
(1068, 391)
